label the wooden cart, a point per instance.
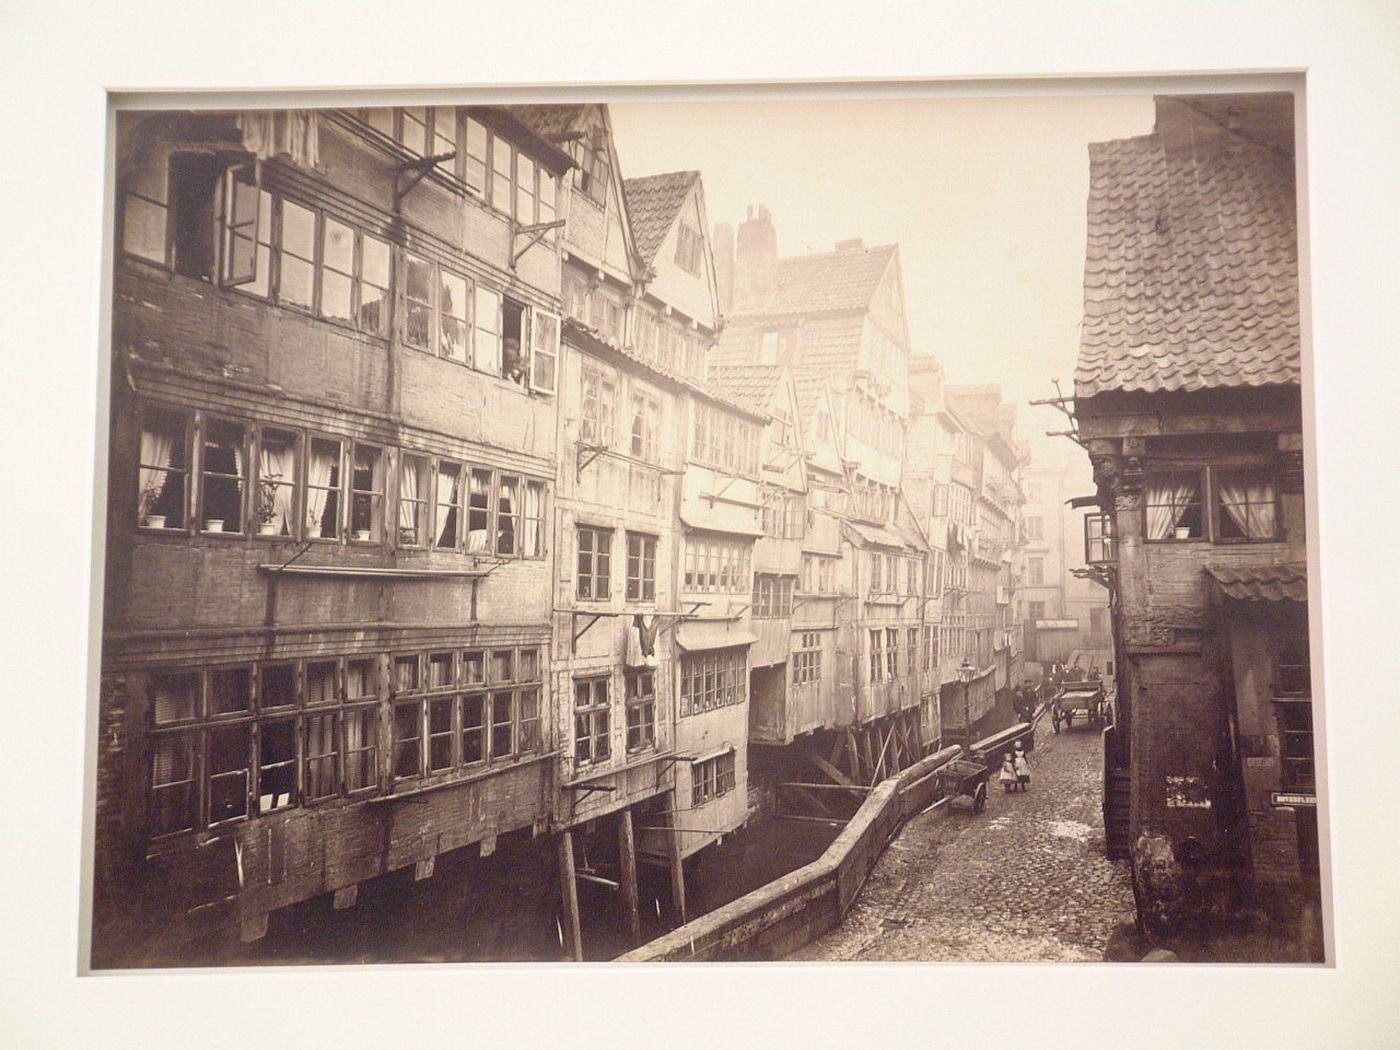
(1078, 700)
(961, 778)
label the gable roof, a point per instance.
(653, 202)
(1191, 269)
(839, 280)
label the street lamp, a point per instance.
(965, 675)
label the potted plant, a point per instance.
(150, 520)
(1183, 532)
(213, 524)
(153, 521)
(267, 506)
(362, 535)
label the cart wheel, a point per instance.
(979, 798)
(1055, 720)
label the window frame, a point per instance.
(597, 713)
(641, 585)
(643, 704)
(1218, 512)
(600, 563)
(1202, 504)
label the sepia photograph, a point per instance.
(814, 530)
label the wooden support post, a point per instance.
(627, 858)
(867, 763)
(568, 893)
(827, 768)
(673, 850)
(854, 753)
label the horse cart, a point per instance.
(1084, 700)
(962, 778)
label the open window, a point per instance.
(514, 365)
(544, 352)
(1100, 545)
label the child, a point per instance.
(1022, 769)
(1007, 776)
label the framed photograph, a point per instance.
(802, 524)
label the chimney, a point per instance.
(755, 260)
(722, 247)
(854, 244)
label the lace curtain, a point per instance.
(322, 467)
(447, 535)
(1167, 499)
(156, 450)
(1249, 501)
(275, 488)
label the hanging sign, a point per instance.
(1292, 798)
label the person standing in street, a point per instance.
(1022, 769)
(1007, 776)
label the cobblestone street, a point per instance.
(1026, 881)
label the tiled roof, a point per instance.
(748, 384)
(839, 280)
(1191, 271)
(1284, 581)
(810, 390)
(830, 345)
(653, 202)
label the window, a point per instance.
(247, 232)
(877, 655)
(1035, 571)
(525, 189)
(276, 489)
(722, 440)
(711, 779)
(641, 710)
(1293, 708)
(688, 248)
(594, 563)
(1035, 528)
(164, 469)
(1173, 506)
(1246, 505)
(486, 353)
(1099, 545)
(892, 653)
(544, 351)
(223, 469)
(502, 155)
(449, 505)
(645, 415)
(574, 292)
(717, 678)
(592, 721)
(930, 645)
(323, 489)
(716, 565)
(912, 650)
(876, 580)
(599, 399)
(367, 494)
(807, 659)
(641, 567)
(474, 166)
(532, 520)
(772, 596)
(414, 480)
(1035, 610)
(592, 156)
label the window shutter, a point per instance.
(241, 201)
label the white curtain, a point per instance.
(450, 507)
(1250, 503)
(1167, 499)
(534, 514)
(156, 449)
(408, 497)
(274, 477)
(293, 133)
(479, 501)
(322, 465)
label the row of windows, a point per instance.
(884, 653)
(713, 679)
(1242, 505)
(227, 743)
(872, 501)
(711, 779)
(293, 485)
(953, 502)
(490, 166)
(772, 596)
(593, 715)
(895, 574)
(718, 565)
(807, 660)
(876, 426)
(594, 578)
(784, 514)
(230, 229)
(723, 440)
(818, 574)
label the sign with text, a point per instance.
(1292, 798)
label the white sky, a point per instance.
(985, 197)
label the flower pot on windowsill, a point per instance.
(213, 524)
(267, 528)
(1183, 532)
(408, 537)
(362, 535)
(154, 521)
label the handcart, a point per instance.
(961, 778)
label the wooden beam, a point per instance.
(854, 753)
(568, 892)
(812, 799)
(627, 855)
(838, 742)
(830, 770)
(673, 851)
(867, 763)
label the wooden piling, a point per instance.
(568, 893)
(627, 857)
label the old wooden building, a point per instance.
(1187, 395)
(326, 637)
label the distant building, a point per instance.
(1064, 609)
(1187, 394)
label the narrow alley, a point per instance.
(1026, 881)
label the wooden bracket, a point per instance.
(418, 170)
(535, 231)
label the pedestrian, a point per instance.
(1022, 769)
(1007, 776)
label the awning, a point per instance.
(1281, 582)
(1079, 502)
(881, 536)
(698, 635)
(738, 521)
